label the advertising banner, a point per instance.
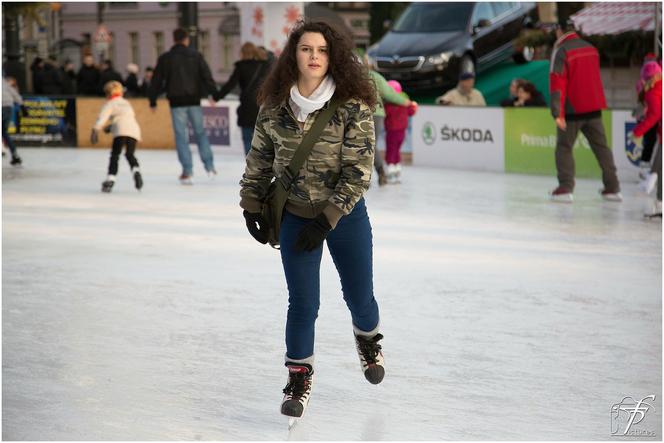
(530, 143)
(49, 121)
(269, 23)
(220, 122)
(626, 154)
(459, 137)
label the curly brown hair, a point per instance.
(351, 77)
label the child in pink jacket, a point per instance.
(396, 124)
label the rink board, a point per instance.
(512, 140)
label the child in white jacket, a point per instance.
(126, 133)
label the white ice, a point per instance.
(155, 316)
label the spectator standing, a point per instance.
(68, 77)
(145, 84)
(248, 73)
(131, 82)
(88, 76)
(185, 76)
(52, 80)
(577, 100)
(37, 70)
(108, 74)
(464, 94)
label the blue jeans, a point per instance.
(247, 136)
(7, 114)
(194, 115)
(350, 245)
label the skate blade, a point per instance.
(291, 423)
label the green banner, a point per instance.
(530, 143)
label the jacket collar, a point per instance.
(571, 35)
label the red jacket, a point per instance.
(653, 116)
(574, 80)
(396, 117)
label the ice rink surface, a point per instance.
(155, 316)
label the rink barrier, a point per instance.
(513, 140)
(220, 122)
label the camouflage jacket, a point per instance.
(333, 178)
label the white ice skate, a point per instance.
(648, 184)
(397, 173)
(391, 174)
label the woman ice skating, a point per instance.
(652, 89)
(317, 70)
(126, 133)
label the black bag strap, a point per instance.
(307, 144)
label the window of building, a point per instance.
(158, 45)
(111, 49)
(134, 47)
(228, 47)
(204, 44)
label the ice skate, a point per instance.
(371, 356)
(382, 177)
(648, 184)
(186, 180)
(107, 186)
(397, 173)
(16, 161)
(561, 195)
(138, 179)
(655, 211)
(297, 391)
(212, 173)
(391, 174)
(611, 196)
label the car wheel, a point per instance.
(526, 55)
(467, 64)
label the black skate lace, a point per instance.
(369, 347)
(298, 384)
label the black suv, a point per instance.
(432, 43)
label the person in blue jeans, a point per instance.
(326, 200)
(185, 77)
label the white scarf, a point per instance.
(303, 106)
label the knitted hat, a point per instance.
(395, 85)
(650, 70)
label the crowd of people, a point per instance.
(50, 79)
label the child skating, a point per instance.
(396, 125)
(126, 132)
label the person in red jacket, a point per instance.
(652, 88)
(396, 124)
(577, 100)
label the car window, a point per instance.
(483, 11)
(502, 7)
(434, 17)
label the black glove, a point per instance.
(257, 226)
(94, 137)
(107, 129)
(313, 234)
(24, 111)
